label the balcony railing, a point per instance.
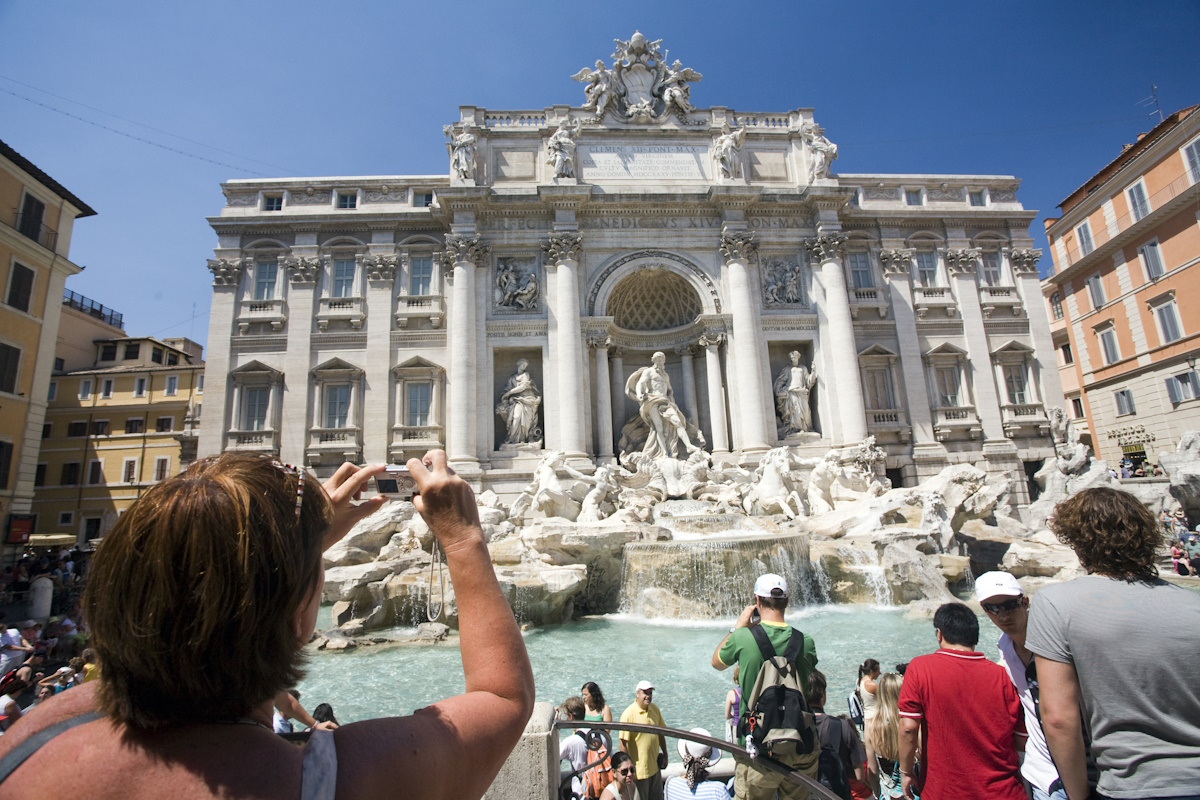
(340, 309)
(1023, 413)
(881, 420)
(993, 297)
(254, 441)
(869, 298)
(1101, 236)
(273, 312)
(429, 306)
(407, 438)
(31, 227)
(948, 420)
(927, 297)
(335, 444)
(93, 309)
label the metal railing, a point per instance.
(791, 775)
(93, 309)
(31, 227)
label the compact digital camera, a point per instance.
(396, 482)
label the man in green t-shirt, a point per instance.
(739, 647)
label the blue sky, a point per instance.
(1045, 91)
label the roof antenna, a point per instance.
(1153, 98)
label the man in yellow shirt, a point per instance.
(649, 752)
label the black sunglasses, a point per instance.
(1000, 608)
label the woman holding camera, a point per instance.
(200, 600)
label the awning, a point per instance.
(52, 540)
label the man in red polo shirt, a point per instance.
(967, 714)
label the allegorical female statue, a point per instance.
(792, 388)
(519, 406)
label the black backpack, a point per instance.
(831, 771)
(777, 719)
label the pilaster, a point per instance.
(965, 278)
(562, 250)
(227, 275)
(380, 272)
(297, 359)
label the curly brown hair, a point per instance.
(1111, 531)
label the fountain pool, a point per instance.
(617, 651)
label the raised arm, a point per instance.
(453, 748)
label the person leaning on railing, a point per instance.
(200, 599)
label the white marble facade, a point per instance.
(372, 318)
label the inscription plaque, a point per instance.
(643, 162)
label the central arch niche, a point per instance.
(654, 299)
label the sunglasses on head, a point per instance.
(1000, 608)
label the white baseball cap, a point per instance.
(992, 584)
(766, 586)
(645, 686)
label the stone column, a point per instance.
(616, 358)
(227, 274)
(563, 252)
(689, 383)
(748, 355)
(1024, 266)
(297, 359)
(465, 253)
(826, 249)
(964, 275)
(604, 412)
(716, 391)
(381, 271)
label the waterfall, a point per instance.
(820, 588)
(710, 578)
(867, 563)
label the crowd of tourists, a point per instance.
(204, 593)
(1085, 700)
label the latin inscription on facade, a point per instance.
(643, 162)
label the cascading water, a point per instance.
(710, 578)
(866, 561)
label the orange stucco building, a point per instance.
(1124, 297)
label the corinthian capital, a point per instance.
(226, 271)
(466, 248)
(379, 267)
(896, 262)
(738, 246)
(563, 246)
(826, 247)
(301, 270)
(1024, 260)
(962, 262)
(711, 339)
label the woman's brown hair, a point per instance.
(193, 594)
(1111, 531)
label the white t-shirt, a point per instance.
(574, 749)
(1037, 768)
(10, 638)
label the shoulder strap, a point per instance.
(764, 643)
(318, 771)
(795, 646)
(18, 755)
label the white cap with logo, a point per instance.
(995, 584)
(645, 686)
(770, 585)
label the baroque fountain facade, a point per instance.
(668, 345)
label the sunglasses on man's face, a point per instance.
(1001, 608)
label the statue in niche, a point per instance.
(601, 91)
(516, 285)
(650, 387)
(519, 406)
(673, 87)
(728, 153)
(792, 389)
(461, 148)
(822, 154)
(562, 150)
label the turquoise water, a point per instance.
(617, 651)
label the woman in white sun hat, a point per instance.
(694, 783)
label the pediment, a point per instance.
(1012, 347)
(416, 364)
(256, 368)
(337, 365)
(947, 349)
(877, 350)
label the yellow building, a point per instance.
(123, 414)
(36, 218)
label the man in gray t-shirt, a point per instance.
(1121, 644)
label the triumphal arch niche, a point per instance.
(578, 260)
